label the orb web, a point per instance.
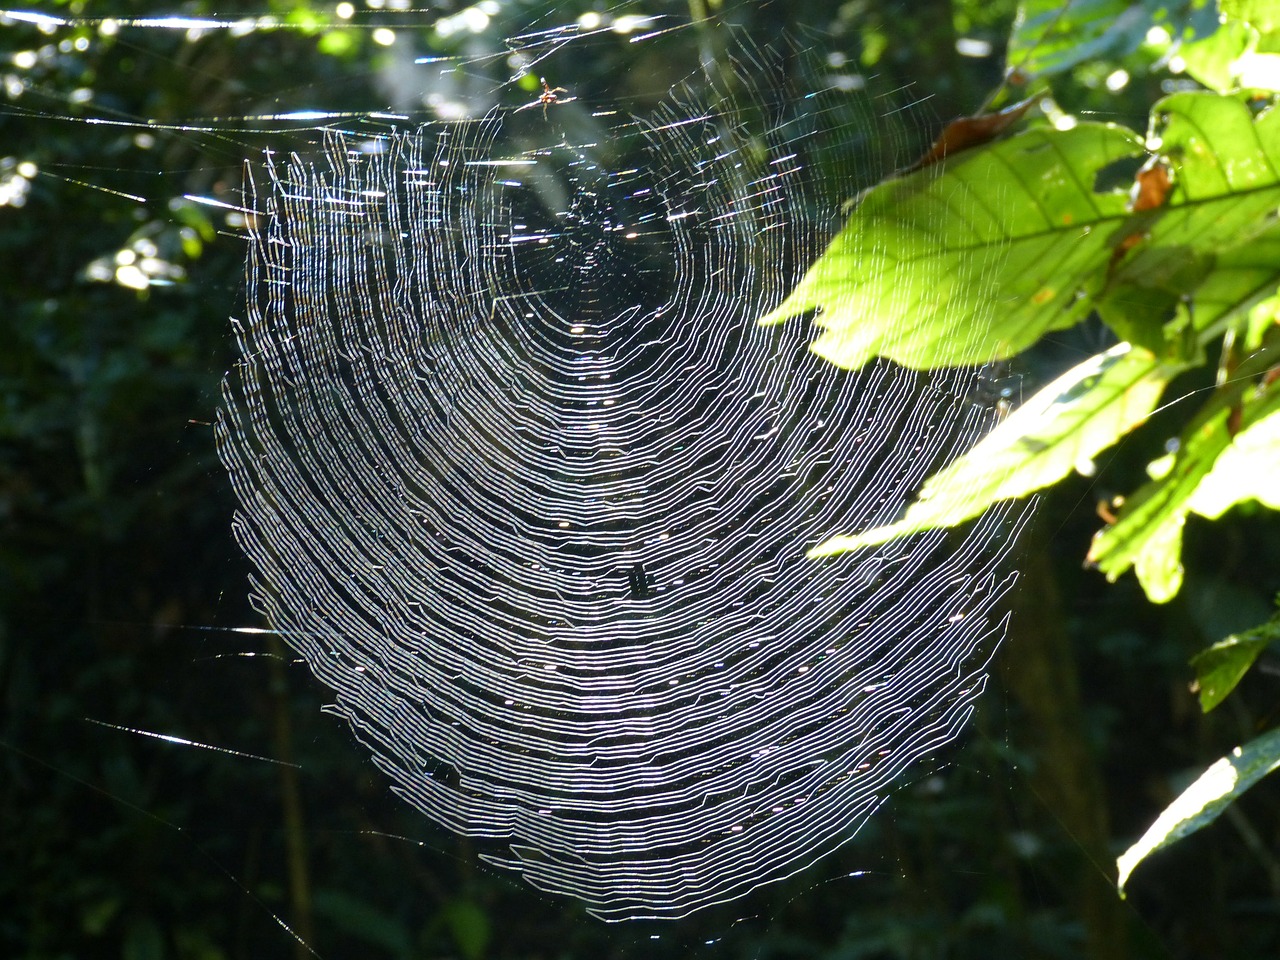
(528, 488)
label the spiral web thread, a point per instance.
(528, 488)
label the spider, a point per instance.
(548, 96)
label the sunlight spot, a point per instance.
(1117, 80)
(1261, 70)
(1158, 36)
(384, 37)
(631, 23)
(132, 277)
(848, 82)
(15, 186)
(344, 11)
(973, 47)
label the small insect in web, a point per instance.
(548, 96)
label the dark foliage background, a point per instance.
(120, 586)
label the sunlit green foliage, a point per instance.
(1177, 252)
(1051, 37)
(974, 263)
(1205, 800)
(1059, 429)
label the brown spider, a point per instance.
(548, 96)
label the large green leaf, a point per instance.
(1064, 426)
(1147, 535)
(1202, 802)
(972, 260)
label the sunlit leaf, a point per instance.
(1249, 469)
(1262, 14)
(1050, 36)
(1213, 60)
(1243, 279)
(1202, 802)
(1260, 71)
(1220, 667)
(974, 262)
(1013, 240)
(1225, 167)
(1200, 223)
(1263, 317)
(1147, 534)
(1062, 427)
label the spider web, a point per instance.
(530, 491)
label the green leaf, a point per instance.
(1064, 426)
(1249, 469)
(1050, 36)
(1147, 534)
(1220, 667)
(1202, 802)
(1263, 15)
(1263, 317)
(1236, 293)
(1225, 165)
(973, 260)
(1213, 60)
